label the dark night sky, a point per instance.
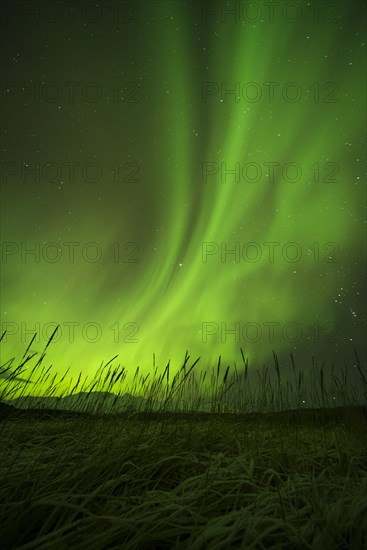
(116, 135)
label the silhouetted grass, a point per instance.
(227, 465)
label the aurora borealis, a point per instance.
(143, 142)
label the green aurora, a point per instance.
(163, 212)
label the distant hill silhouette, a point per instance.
(83, 405)
(81, 402)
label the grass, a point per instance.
(189, 467)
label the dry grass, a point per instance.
(163, 481)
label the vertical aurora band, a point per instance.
(188, 133)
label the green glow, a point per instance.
(169, 212)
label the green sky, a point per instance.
(169, 134)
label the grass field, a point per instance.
(162, 476)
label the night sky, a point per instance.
(182, 170)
